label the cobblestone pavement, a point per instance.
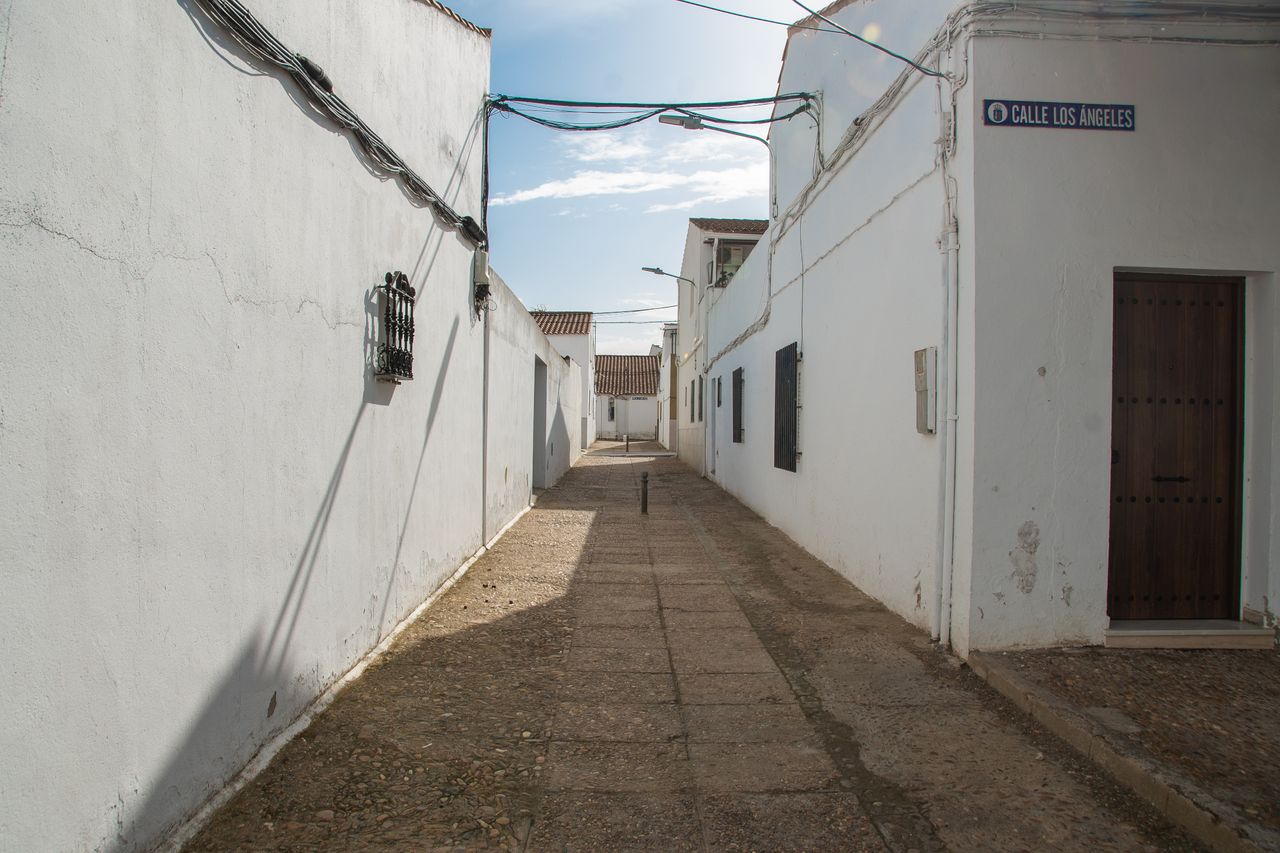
(685, 680)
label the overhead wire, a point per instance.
(636, 310)
(316, 86)
(930, 72)
(786, 24)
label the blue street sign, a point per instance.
(1060, 115)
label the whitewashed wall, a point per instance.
(1055, 213)
(690, 353)
(209, 511)
(1045, 217)
(582, 349)
(865, 495)
(515, 341)
(636, 416)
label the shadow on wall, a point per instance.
(261, 677)
(558, 436)
(261, 671)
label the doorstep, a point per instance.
(1188, 634)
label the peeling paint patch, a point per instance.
(1023, 557)
(1066, 593)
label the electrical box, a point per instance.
(927, 390)
(480, 267)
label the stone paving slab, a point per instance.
(689, 680)
(1196, 732)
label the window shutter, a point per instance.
(736, 391)
(784, 408)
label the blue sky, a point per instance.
(575, 215)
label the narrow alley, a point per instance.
(684, 680)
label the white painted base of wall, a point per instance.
(186, 831)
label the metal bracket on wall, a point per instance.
(395, 350)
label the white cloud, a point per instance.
(707, 186)
(643, 301)
(595, 182)
(642, 160)
(605, 146)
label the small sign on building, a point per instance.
(1059, 115)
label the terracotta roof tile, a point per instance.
(627, 375)
(733, 226)
(563, 322)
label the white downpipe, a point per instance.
(951, 249)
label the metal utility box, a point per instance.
(927, 390)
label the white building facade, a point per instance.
(714, 251)
(574, 334)
(983, 435)
(212, 505)
(668, 390)
(627, 396)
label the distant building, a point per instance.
(573, 334)
(627, 396)
(668, 387)
(714, 251)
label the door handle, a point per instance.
(1159, 479)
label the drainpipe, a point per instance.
(484, 438)
(951, 250)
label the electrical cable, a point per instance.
(695, 105)
(931, 72)
(502, 104)
(637, 310)
(754, 18)
(241, 25)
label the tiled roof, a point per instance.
(733, 226)
(436, 4)
(563, 322)
(626, 375)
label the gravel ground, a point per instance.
(1212, 717)
(685, 680)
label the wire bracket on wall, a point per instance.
(395, 350)
(235, 20)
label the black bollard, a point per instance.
(644, 493)
(627, 439)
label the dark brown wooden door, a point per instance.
(1176, 443)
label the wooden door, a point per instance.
(1176, 420)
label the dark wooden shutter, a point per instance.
(701, 399)
(737, 405)
(784, 409)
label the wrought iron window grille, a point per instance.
(395, 350)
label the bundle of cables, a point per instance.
(625, 114)
(241, 25)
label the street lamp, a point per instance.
(695, 123)
(658, 271)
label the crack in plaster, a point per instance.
(4, 52)
(136, 274)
